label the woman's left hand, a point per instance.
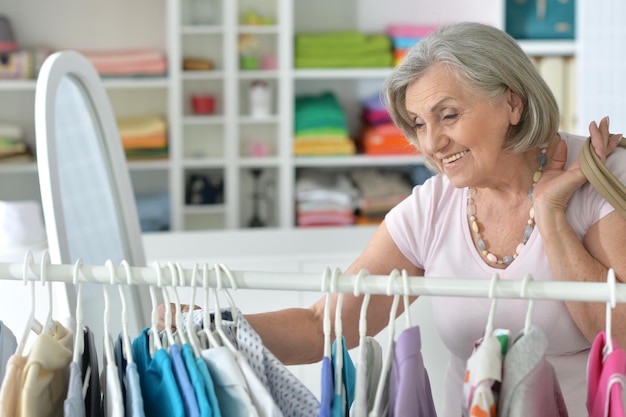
(557, 184)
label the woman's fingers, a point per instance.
(600, 137)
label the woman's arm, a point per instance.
(296, 336)
(602, 247)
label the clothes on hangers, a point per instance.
(129, 381)
(483, 375)
(368, 369)
(230, 386)
(161, 396)
(343, 401)
(8, 345)
(530, 386)
(409, 385)
(112, 399)
(74, 406)
(197, 383)
(607, 373)
(184, 384)
(292, 397)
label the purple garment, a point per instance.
(409, 385)
(327, 388)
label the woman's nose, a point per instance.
(432, 141)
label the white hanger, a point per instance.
(126, 348)
(108, 352)
(326, 323)
(524, 294)
(191, 334)
(492, 311)
(407, 302)
(79, 340)
(45, 261)
(380, 389)
(32, 324)
(213, 342)
(363, 314)
(180, 329)
(171, 340)
(610, 305)
(233, 284)
(218, 312)
(153, 338)
(338, 332)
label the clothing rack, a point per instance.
(330, 281)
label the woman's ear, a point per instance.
(516, 106)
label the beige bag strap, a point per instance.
(601, 178)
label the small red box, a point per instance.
(203, 104)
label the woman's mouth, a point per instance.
(455, 157)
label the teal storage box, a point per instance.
(541, 19)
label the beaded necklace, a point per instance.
(542, 160)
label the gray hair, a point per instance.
(488, 61)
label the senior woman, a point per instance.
(469, 98)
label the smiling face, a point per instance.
(461, 131)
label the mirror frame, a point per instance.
(79, 68)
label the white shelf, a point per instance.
(548, 47)
(219, 143)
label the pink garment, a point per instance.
(410, 31)
(132, 61)
(605, 379)
(430, 228)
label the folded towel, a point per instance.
(126, 62)
(410, 31)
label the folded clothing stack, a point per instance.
(127, 62)
(405, 36)
(143, 137)
(324, 198)
(320, 127)
(380, 136)
(379, 191)
(342, 50)
(13, 148)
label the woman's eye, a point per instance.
(450, 116)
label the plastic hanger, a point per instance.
(234, 311)
(211, 339)
(524, 294)
(180, 328)
(171, 340)
(492, 310)
(79, 340)
(610, 305)
(45, 261)
(153, 337)
(338, 332)
(32, 324)
(405, 297)
(381, 388)
(326, 323)
(218, 311)
(191, 334)
(108, 351)
(363, 314)
(126, 348)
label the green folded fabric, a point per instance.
(329, 38)
(372, 61)
(371, 44)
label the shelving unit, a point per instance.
(228, 145)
